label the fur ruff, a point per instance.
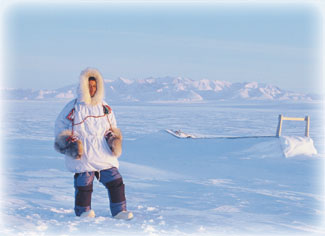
(83, 90)
(114, 141)
(72, 149)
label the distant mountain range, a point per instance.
(169, 89)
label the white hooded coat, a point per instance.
(91, 131)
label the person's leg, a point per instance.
(83, 184)
(113, 182)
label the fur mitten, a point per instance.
(114, 141)
(63, 144)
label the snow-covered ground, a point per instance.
(204, 186)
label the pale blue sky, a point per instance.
(47, 45)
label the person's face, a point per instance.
(92, 87)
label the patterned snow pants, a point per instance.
(110, 178)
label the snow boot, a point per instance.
(124, 215)
(89, 214)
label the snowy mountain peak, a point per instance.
(252, 85)
(123, 80)
(203, 85)
(167, 89)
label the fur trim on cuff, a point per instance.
(114, 140)
(64, 146)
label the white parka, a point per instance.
(90, 130)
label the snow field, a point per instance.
(173, 186)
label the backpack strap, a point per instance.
(70, 116)
(107, 111)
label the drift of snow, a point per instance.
(291, 145)
(297, 146)
(180, 134)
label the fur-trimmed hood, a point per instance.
(83, 89)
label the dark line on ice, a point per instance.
(230, 137)
(245, 137)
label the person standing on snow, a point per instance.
(86, 132)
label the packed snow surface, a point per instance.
(174, 186)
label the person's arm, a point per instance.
(114, 136)
(65, 142)
(62, 122)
